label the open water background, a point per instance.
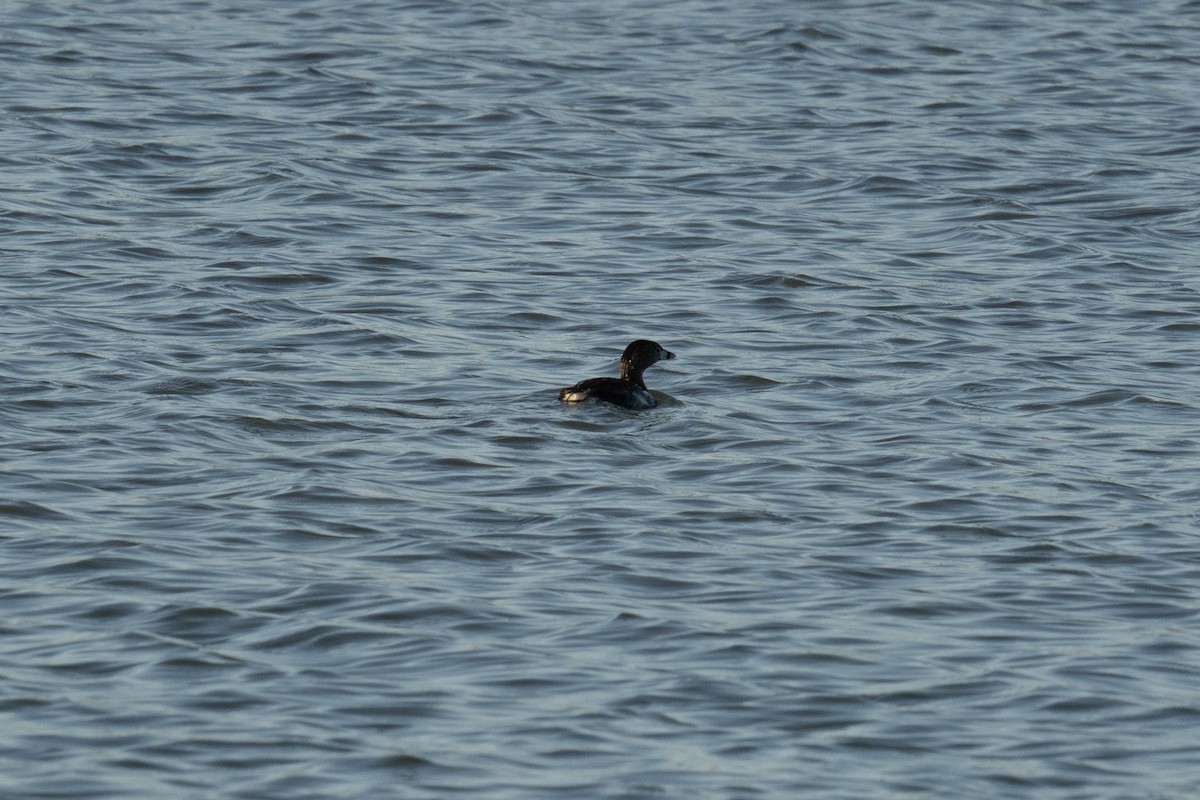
(288, 508)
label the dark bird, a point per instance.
(629, 390)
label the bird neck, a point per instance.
(632, 374)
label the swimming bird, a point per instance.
(629, 390)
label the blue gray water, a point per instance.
(288, 508)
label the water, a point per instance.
(288, 507)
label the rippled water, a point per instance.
(288, 508)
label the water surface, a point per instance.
(288, 508)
